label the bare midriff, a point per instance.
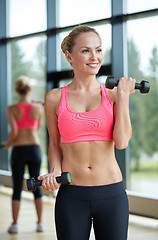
(91, 163)
(26, 137)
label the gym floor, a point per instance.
(139, 228)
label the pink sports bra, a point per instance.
(26, 121)
(95, 125)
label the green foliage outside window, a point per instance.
(143, 109)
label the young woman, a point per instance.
(85, 121)
(24, 119)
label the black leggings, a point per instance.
(78, 206)
(29, 155)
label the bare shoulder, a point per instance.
(37, 105)
(12, 108)
(53, 97)
(13, 111)
(37, 109)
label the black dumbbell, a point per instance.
(143, 86)
(65, 179)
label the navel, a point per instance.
(90, 168)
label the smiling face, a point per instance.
(86, 56)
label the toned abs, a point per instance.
(91, 163)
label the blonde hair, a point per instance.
(22, 85)
(69, 41)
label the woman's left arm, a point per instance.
(122, 131)
(13, 128)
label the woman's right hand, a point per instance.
(49, 182)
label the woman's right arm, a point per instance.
(54, 152)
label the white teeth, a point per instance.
(92, 65)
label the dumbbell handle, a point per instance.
(38, 183)
(65, 179)
(137, 85)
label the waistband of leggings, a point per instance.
(94, 192)
(26, 146)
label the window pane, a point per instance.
(62, 63)
(65, 82)
(28, 57)
(143, 64)
(105, 34)
(74, 12)
(100, 79)
(140, 5)
(26, 16)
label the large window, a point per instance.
(143, 64)
(75, 12)
(28, 57)
(28, 54)
(140, 5)
(26, 16)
